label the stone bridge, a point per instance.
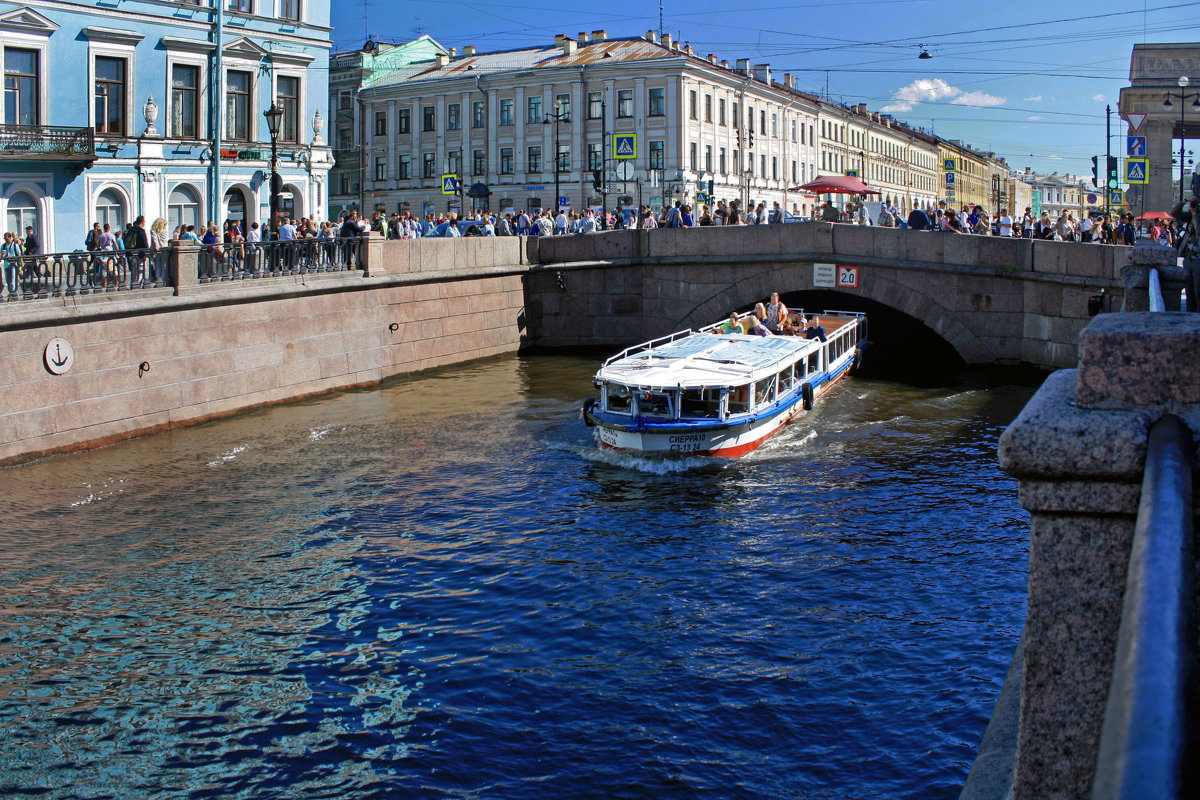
(993, 300)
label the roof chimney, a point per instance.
(789, 80)
(583, 37)
(442, 59)
(687, 48)
(861, 108)
(667, 40)
(762, 72)
(743, 65)
(651, 36)
(599, 36)
(568, 46)
(712, 58)
(469, 50)
(453, 52)
(724, 64)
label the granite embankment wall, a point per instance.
(216, 349)
(994, 300)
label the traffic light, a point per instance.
(1113, 178)
(1095, 170)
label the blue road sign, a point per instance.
(624, 145)
(449, 184)
(1135, 146)
(1116, 197)
(949, 178)
(948, 164)
(1137, 170)
(562, 201)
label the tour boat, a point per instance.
(707, 393)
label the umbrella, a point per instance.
(1156, 215)
(836, 184)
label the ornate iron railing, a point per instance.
(83, 272)
(245, 260)
(48, 142)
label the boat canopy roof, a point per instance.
(706, 360)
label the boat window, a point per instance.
(654, 404)
(739, 399)
(618, 398)
(785, 380)
(700, 403)
(814, 361)
(764, 391)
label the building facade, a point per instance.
(173, 126)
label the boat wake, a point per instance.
(643, 462)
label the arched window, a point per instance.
(183, 207)
(22, 211)
(235, 207)
(293, 205)
(110, 210)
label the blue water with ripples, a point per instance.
(440, 588)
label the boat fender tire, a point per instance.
(806, 392)
(858, 359)
(588, 405)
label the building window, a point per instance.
(625, 102)
(657, 156)
(404, 121)
(110, 96)
(708, 165)
(774, 168)
(381, 123)
(429, 166)
(23, 213)
(721, 160)
(775, 126)
(794, 172)
(477, 114)
(428, 118)
(737, 120)
(692, 164)
(289, 9)
(454, 117)
(20, 86)
(737, 161)
(237, 106)
(564, 158)
(534, 163)
(563, 103)
(183, 207)
(692, 104)
(506, 112)
(658, 103)
(478, 163)
(238, 5)
(764, 166)
(506, 161)
(404, 168)
(535, 111)
(708, 108)
(721, 111)
(287, 95)
(454, 162)
(595, 156)
(110, 210)
(185, 99)
(381, 168)
(594, 105)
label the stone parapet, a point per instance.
(1078, 450)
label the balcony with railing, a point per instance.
(48, 143)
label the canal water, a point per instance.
(440, 588)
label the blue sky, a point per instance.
(1028, 80)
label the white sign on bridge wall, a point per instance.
(824, 275)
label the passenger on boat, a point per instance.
(815, 330)
(732, 325)
(788, 328)
(756, 328)
(776, 314)
(760, 311)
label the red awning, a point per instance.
(836, 184)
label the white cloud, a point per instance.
(931, 90)
(1033, 118)
(1035, 99)
(1099, 98)
(978, 99)
(1055, 158)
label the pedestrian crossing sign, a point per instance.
(624, 146)
(948, 164)
(449, 184)
(1116, 197)
(1137, 170)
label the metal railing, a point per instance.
(1144, 744)
(227, 262)
(48, 141)
(82, 272)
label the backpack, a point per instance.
(129, 239)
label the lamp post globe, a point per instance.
(274, 117)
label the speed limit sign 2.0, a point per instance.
(847, 277)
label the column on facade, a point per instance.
(1160, 193)
(640, 107)
(393, 128)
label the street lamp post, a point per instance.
(1183, 96)
(558, 115)
(274, 117)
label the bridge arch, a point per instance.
(912, 307)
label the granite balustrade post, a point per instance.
(1078, 450)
